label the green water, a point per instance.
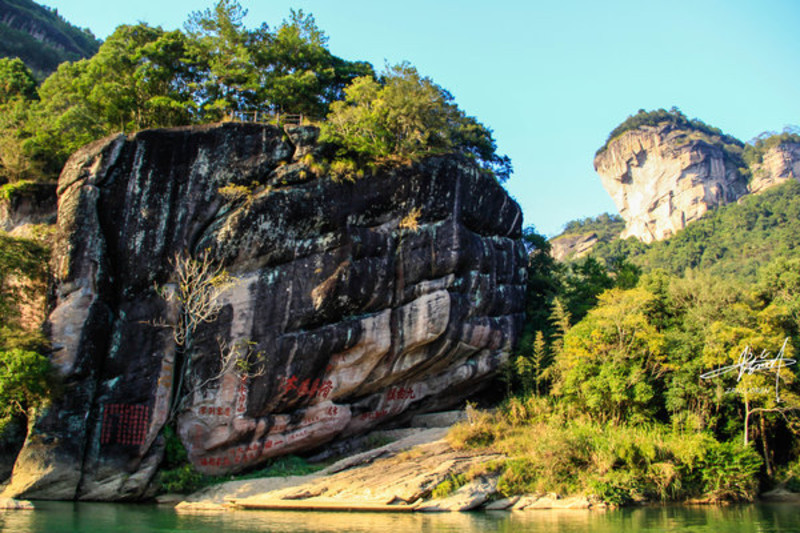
(104, 518)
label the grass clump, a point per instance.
(449, 486)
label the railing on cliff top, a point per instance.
(279, 119)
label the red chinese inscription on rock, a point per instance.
(374, 415)
(213, 411)
(124, 424)
(400, 393)
(315, 389)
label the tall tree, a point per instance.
(583, 283)
(140, 78)
(17, 92)
(298, 72)
(16, 80)
(611, 360)
(220, 41)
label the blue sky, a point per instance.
(552, 78)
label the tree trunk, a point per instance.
(767, 459)
(746, 421)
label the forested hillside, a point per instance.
(41, 37)
(218, 69)
(733, 241)
(627, 342)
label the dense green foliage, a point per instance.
(218, 69)
(552, 448)
(133, 81)
(16, 80)
(623, 412)
(544, 283)
(631, 329)
(558, 295)
(145, 77)
(288, 70)
(403, 117)
(732, 241)
(56, 39)
(25, 382)
(17, 92)
(677, 119)
(605, 226)
(573, 286)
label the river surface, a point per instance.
(59, 517)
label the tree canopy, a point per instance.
(403, 116)
(16, 80)
(144, 77)
(218, 69)
(24, 373)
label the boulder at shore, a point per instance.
(351, 303)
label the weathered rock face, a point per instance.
(662, 178)
(572, 246)
(357, 302)
(779, 164)
(32, 205)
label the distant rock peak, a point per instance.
(662, 178)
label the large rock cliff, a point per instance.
(663, 177)
(352, 304)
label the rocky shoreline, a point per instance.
(398, 477)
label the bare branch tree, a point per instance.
(200, 284)
(197, 292)
(239, 359)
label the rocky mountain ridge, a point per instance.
(780, 163)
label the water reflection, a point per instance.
(701, 519)
(56, 517)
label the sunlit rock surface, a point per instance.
(778, 165)
(662, 178)
(572, 246)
